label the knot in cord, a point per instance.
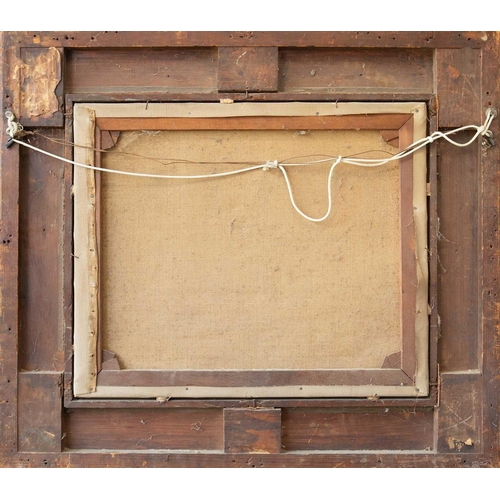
(13, 127)
(270, 164)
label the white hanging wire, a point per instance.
(14, 128)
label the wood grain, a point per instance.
(98, 227)
(434, 324)
(160, 39)
(458, 81)
(67, 256)
(137, 429)
(338, 403)
(154, 459)
(347, 70)
(40, 406)
(345, 122)
(459, 415)
(146, 97)
(252, 431)
(9, 269)
(40, 274)
(85, 262)
(394, 429)
(160, 70)
(251, 378)
(408, 254)
(248, 69)
(490, 254)
(459, 252)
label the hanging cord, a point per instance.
(15, 129)
(264, 166)
(332, 168)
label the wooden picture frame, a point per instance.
(47, 74)
(403, 374)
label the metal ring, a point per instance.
(492, 111)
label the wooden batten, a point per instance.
(252, 431)
(458, 86)
(248, 69)
(40, 402)
(86, 257)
